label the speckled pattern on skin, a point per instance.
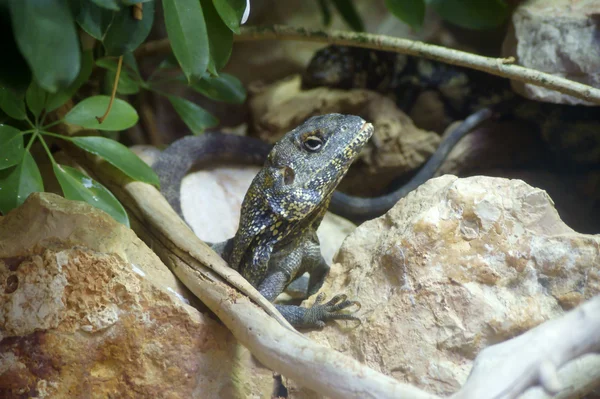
(277, 241)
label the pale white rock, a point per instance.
(561, 37)
(457, 265)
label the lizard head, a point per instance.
(317, 154)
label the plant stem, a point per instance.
(47, 150)
(114, 91)
(58, 136)
(52, 124)
(494, 66)
(32, 139)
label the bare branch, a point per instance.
(495, 66)
(508, 369)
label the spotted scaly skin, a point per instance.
(277, 242)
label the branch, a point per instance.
(510, 368)
(494, 66)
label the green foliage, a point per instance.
(349, 14)
(122, 115)
(11, 142)
(196, 118)
(79, 187)
(224, 87)
(220, 37)
(231, 12)
(119, 156)
(412, 12)
(49, 67)
(11, 104)
(470, 14)
(17, 182)
(187, 32)
(125, 33)
(46, 36)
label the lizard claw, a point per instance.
(320, 312)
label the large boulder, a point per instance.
(456, 266)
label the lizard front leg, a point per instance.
(286, 265)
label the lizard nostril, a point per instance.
(288, 175)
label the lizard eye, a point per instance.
(313, 143)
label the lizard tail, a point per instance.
(361, 209)
(209, 148)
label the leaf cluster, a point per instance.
(57, 46)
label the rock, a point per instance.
(397, 145)
(560, 37)
(87, 309)
(457, 265)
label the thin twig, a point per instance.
(114, 91)
(494, 66)
(137, 11)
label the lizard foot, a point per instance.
(319, 313)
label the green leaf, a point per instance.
(108, 4)
(55, 100)
(95, 20)
(349, 14)
(17, 182)
(325, 12)
(187, 32)
(129, 78)
(231, 12)
(411, 12)
(196, 118)
(220, 36)
(14, 75)
(11, 104)
(121, 116)
(126, 84)
(79, 187)
(45, 33)
(472, 14)
(128, 68)
(132, 2)
(36, 98)
(119, 156)
(11, 146)
(225, 88)
(125, 33)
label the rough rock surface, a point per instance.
(457, 265)
(397, 146)
(87, 310)
(561, 37)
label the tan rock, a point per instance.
(558, 37)
(88, 310)
(457, 265)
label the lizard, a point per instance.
(276, 241)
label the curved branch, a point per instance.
(507, 369)
(494, 66)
